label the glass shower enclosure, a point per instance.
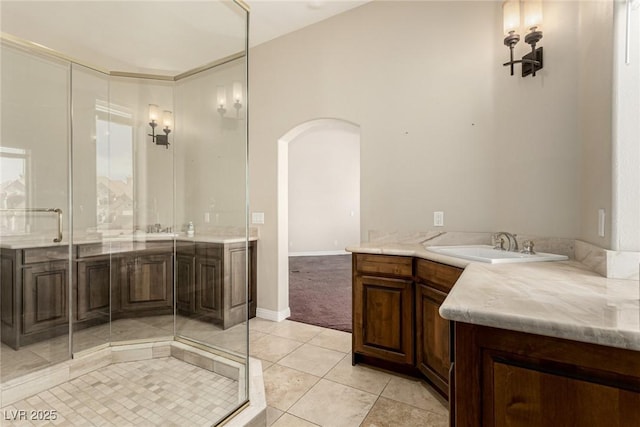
(123, 191)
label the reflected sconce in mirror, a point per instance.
(531, 62)
(167, 123)
(237, 96)
(221, 100)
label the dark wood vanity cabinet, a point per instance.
(185, 268)
(34, 294)
(92, 292)
(112, 282)
(211, 281)
(508, 378)
(383, 308)
(146, 283)
(44, 296)
(433, 357)
(396, 323)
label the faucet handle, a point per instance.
(527, 247)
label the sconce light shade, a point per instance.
(532, 61)
(167, 119)
(237, 95)
(511, 16)
(154, 113)
(533, 14)
(221, 100)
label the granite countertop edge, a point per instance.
(125, 239)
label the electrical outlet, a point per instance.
(207, 217)
(438, 219)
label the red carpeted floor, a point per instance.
(320, 290)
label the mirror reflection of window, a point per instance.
(14, 176)
(114, 168)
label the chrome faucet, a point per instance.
(499, 241)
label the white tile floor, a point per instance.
(309, 381)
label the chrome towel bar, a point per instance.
(58, 211)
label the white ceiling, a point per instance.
(273, 18)
(158, 36)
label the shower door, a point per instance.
(37, 268)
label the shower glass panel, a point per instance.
(34, 213)
(91, 163)
(213, 266)
(151, 245)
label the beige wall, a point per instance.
(626, 135)
(35, 117)
(595, 84)
(444, 126)
(210, 151)
(153, 167)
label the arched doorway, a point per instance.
(314, 129)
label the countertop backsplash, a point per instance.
(608, 263)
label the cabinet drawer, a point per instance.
(52, 253)
(384, 264)
(440, 276)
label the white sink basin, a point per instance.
(486, 253)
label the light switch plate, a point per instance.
(438, 219)
(257, 217)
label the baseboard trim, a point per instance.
(319, 253)
(274, 316)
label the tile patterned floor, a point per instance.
(155, 392)
(49, 352)
(308, 376)
(309, 381)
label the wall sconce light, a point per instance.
(167, 122)
(237, 96)
(222, 100)
(532, 61)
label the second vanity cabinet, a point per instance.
(210, 281)
(33, 291)
(396, 323)
(122, 280)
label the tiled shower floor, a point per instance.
(46, 353)
(163, 391)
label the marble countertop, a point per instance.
(46, 241)
(561, 299)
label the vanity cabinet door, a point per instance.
(44, 296)
(432, 337)
(509, 378)
(383, 318)
(93, 289)
(147, 283)
(209, 282)
(185, 283)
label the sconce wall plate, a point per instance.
(531, 67)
